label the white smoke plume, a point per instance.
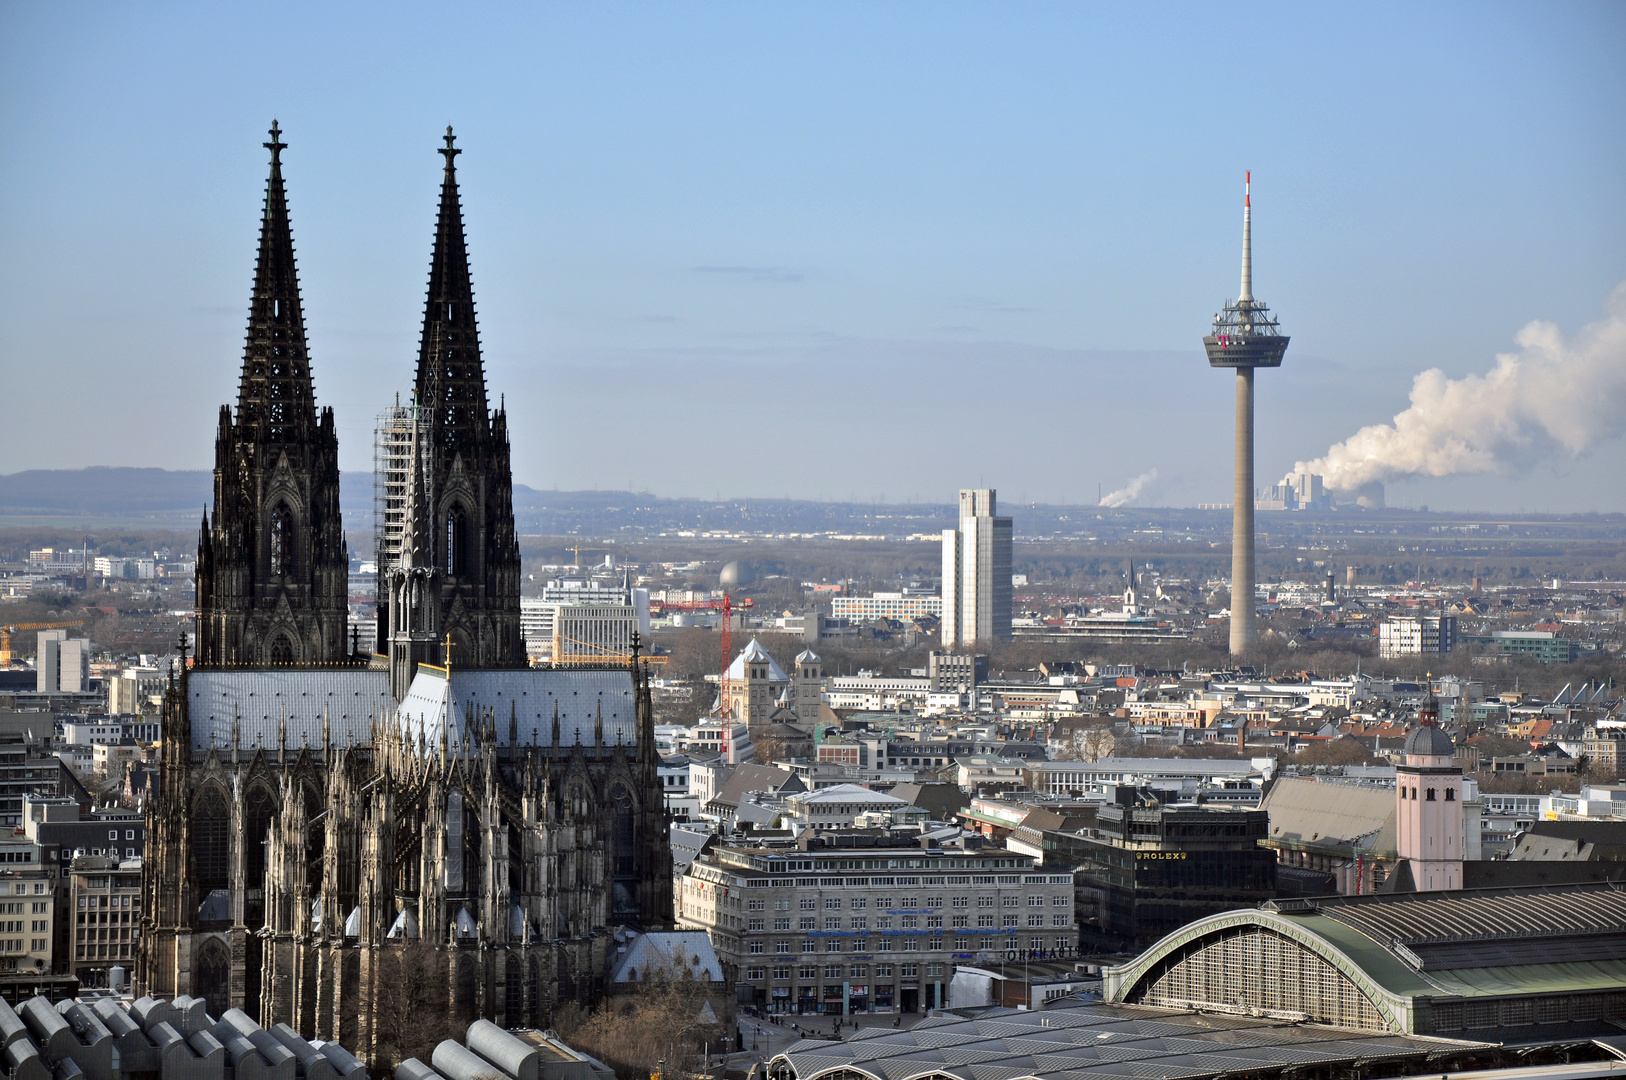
(1556, 394)
(1130, 491)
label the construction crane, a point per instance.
(725, 709)
(577, 549)
(662, 607)
(595, 654)
(6, 631)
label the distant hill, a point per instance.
(102, 496)
(103, 492)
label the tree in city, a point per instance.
(668, 1021)
(411, 1016)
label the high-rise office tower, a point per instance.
(977, 573)
(1245, 336)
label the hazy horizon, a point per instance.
(838, 252)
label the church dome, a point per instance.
(1429, 741)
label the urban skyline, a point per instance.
(700, 257)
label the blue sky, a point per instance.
(817, 249)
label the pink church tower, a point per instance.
(1428, 821)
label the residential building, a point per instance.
(866, 920)
(1415, 635)
(977, 573)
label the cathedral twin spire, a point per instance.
(275, 400)
(451, 382)
(272, 562)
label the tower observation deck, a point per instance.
(1245, 336)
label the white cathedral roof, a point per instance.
(524, 698)
(754, 653)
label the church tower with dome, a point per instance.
(1429, 813)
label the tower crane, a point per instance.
(6, 632)
(725, 708)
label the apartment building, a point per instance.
(866, 921)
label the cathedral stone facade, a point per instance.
(334, 831)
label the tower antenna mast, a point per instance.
(1245, 336)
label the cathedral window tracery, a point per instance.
(282, 540)
(457, 529)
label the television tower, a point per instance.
(1245, 336)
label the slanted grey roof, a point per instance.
(1331, 814)
(524, 698)
(748, 778)
(260, 701)
(672, 952)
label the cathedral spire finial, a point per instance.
(276, 144)
(451, 379)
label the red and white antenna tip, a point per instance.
(1247, 188)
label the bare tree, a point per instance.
(412, 1014)
(666, 1022)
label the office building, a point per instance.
(577, 621)
(855, 921)
(977, 573)
(1154, 867)
(900, 606)
(105, 907)
(1413, 635)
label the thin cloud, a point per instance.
(753, 273)
(977, 303)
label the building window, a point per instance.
(1450, 794)
(1430, 797)
(756, 947)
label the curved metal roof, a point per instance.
(1076, 1040)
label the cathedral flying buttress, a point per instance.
(329, 827)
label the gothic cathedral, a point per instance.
(330, 827)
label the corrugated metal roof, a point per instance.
(1467, 916)
(260, 700)
(522, 698)
(1089, 1041)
